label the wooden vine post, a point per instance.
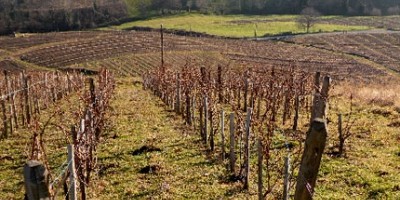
(320, 104)
(260, 171)
(205, 120)
(5, 125)
(247, 149)
(212, 143)
(286, 183)
(26, 95)
(188, 107)
(222, 135)
(296, 112)
(8, 95)
(162, 46)
(72, 174)
(246, 91)
(193, 111)
(13, 107)
(341, 136)
(232, 159)
(311, 160)
(178, 94)
(315, 143)
(36, 179)
(220, 85)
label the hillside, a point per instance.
(364, 67)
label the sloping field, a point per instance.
(382, 49)
(364, 68)
(94, 47)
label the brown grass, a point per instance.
(384, 95)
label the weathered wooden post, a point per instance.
(36, 179)
(26, 95)
(188, 107)
(212, 130)
(341, 137)
(296, 113)
(220, 84)
(246, 91)
(286, 182)
(72, 174)
(320, 104)
(162, 46)
(5, 124)
(178, 94)
(9, 96)
(232, 157)
(69, 84)
(201, 109)
(205, 120)
(13, 107)
(222, 135)
(311, 160)
(194, 111)
(92, 91)
(11, 120)
(260, 171)
(247, 149)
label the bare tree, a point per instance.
(307, 18)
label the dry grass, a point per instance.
(383, 95)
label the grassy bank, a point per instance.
(236, 25)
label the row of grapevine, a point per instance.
(25, 94)
(83, 138)
(262, 102)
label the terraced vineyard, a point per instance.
(382, 49)
(126, 47)
(364, 68)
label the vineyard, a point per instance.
(388, 22)
(379, 48)
(137, 115)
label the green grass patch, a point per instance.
(236, 25)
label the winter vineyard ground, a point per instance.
(202, 124)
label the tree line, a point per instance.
(57, 15)
(61, 15)
(325, 7)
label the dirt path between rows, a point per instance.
(149, 154)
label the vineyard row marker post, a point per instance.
(27, 94)
(260, 171)
(5, 125)
(162, 46)
(247, 149)
(287, 179)
(205, 119)
(232, 142)
(222, 136)
(311, 159)
(178, 94)
(72, 174)
(212, 130)
(320, 104)
(296, 112)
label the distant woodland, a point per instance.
(326, 7)
(61, 15)
(57, 15)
